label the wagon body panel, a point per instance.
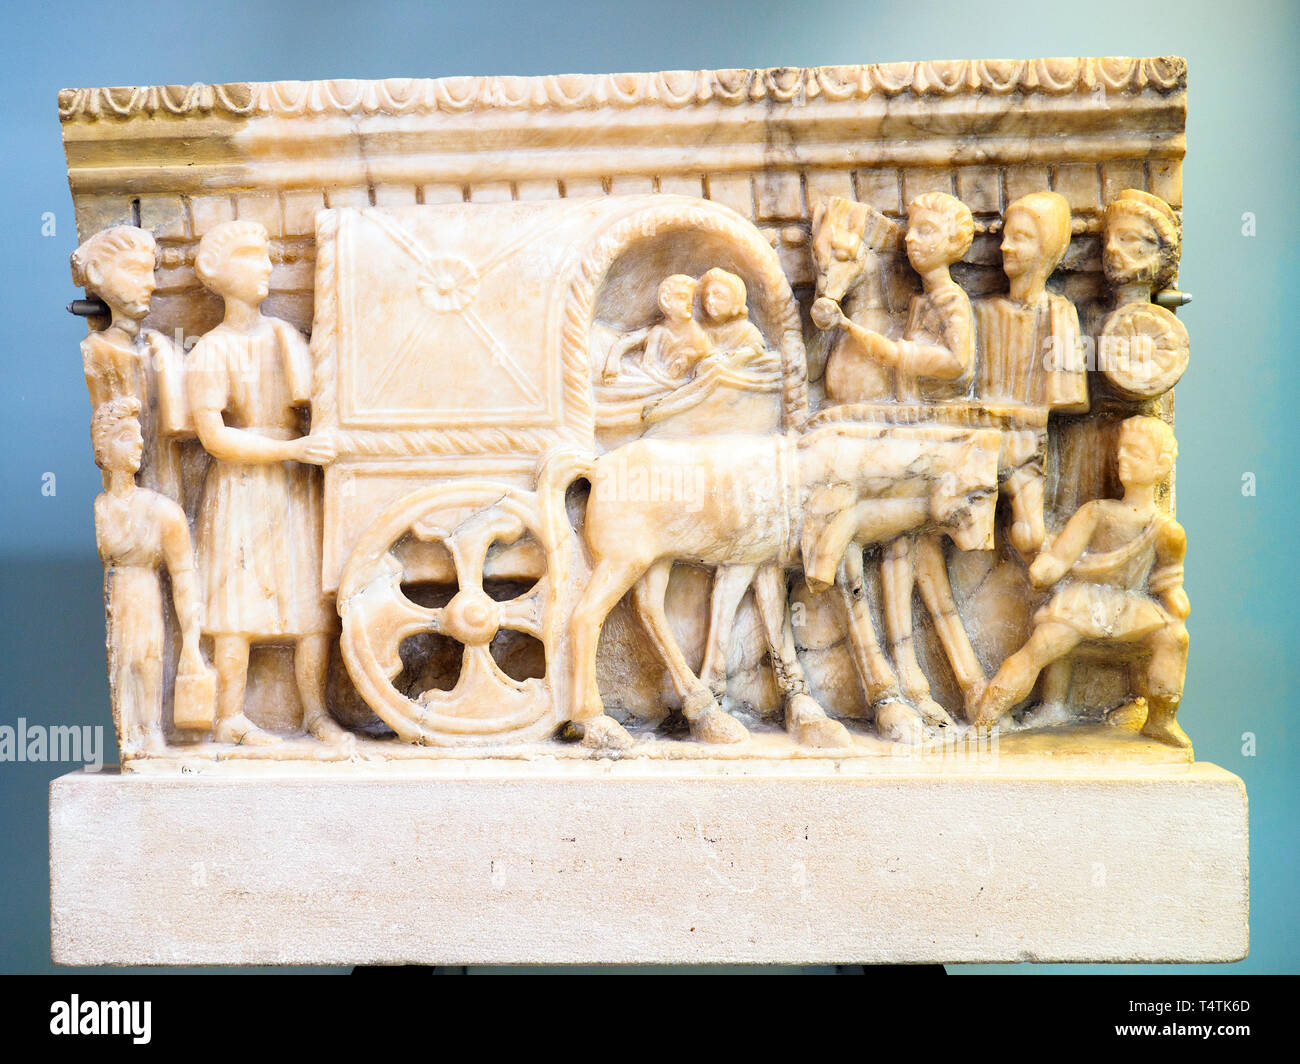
(452, 341)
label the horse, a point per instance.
(755, 506)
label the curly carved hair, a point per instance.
(106, 418)
(961, 225)
(1161, 217)
(1155, 430)
(104, 245)
(217, 243)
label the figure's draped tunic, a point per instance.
(932, 324)
(117, 372)
(129, 534)
(1031, 354)
(671, 350)
(1105, 593)
(259, 523)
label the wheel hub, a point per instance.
(471, 617)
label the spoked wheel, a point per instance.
(485, 705)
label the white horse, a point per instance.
(753, 506)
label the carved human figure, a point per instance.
(679, 342)
(724, 300)
(1031, 346)
(1031, 351)
(1143, 348)
(935, 356)
(1141, 245)
(934, 360)
(259, 522)
(139, 532)
(1119, 563)
(117, 264)
(670, 348)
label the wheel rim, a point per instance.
(485, 705)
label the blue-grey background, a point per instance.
(1237, 404)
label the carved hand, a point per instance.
(880, 348)
(317, 449)
(1176, 603)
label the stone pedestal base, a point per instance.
(652, 862)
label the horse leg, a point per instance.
(730, 582)
(607, 584)
(709, 723)
(936, 592)
(898, 581)
(805, 720)
(895, 719)
(1054, 686)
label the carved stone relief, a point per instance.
(863, 447)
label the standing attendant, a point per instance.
(139, 531)
(259, 523)
(124, 360)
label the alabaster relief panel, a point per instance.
(602, 437)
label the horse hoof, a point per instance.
(1050, 715)
(824, 734)
(605, 733)
(971, 700)
(992, 705)
(899, 723)
(809, 725)
(933, 713)
(718, 726)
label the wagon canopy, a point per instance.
(455, 340)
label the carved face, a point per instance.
(1140, 458)
(1022, 244)
(677, 299)
(1132, 252)
(122, 447)
(127, 283)
(720, 301)
(245, 272)
(928, 240)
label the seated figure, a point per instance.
(1119, 564)
(675, 345)
(724, 301)
(668, 350)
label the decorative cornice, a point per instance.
(672, 89)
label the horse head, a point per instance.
(965, 494)
(843, 233)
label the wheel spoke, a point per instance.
(382, 616)
(524, 614)
(473, 538)
(480, 674)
